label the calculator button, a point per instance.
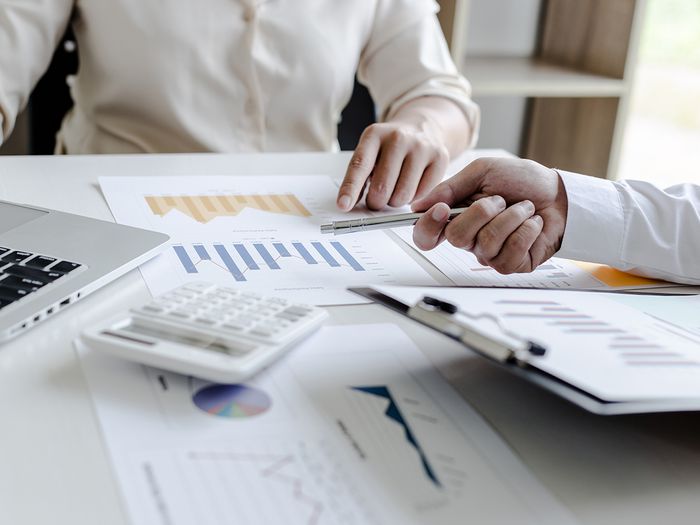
(260, 332)
(151, 309)
(197, 287)
(297, 310)
(288, 317)
(235, 327)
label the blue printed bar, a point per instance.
(320, 248)
(304, 252)
(226, 258)
(271, 263)
(281, 249)
(187, 263)
(346, 255)
(247, 258)
(202, 252)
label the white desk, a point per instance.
(53, 467)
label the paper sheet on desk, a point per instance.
(257, 232)
(462, 268)
(599, 342)
(354, 427)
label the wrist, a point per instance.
(561, 205)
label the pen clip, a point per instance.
(443, 316)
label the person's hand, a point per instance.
(398, 160)
(516, 221)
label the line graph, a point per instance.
(280, 469)
(393, 413)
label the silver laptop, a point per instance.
(50, 259)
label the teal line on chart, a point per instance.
(394, 413)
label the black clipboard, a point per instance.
(521, 368)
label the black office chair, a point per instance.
(51, 100)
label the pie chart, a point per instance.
(232, 401)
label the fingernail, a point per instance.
(500, 201)
(529, 206)
(537, 219)
(344, 202)
(440, 214)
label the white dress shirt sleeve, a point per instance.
(29, 33)
(634, 226)
(406, 57)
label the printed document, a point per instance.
(462, 268)
(353, 427)
(596, 341)
(257, 232)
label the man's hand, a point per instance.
(516, 221)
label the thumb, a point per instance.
(456, 189)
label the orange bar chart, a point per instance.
(204, 208)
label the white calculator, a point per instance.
(213, 332)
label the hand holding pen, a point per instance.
(516, 220)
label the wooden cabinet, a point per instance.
(576, 78)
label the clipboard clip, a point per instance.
(505, 346)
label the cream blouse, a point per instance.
(224, 75)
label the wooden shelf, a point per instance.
(528, 77)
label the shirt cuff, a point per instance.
(595, 221)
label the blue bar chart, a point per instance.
(239, 258)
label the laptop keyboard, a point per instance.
(23, 273)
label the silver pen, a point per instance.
(378, 223)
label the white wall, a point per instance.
(502, 28)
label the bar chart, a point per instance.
(239, 258)
(204, 208)
(257, 233)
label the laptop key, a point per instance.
(15, 257)
(22, 283)
(4, 250)
(40, 261)
(65, 267)
(12, 294)
(32, 273)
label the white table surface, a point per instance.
(54, 468)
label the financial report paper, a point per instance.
(613, 346)
(354, 427)
(462, 268)
(257, 232)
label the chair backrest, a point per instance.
(51, 98)
(357, 115)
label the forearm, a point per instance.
(634, 226)
(439, 117)
(29, 32)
